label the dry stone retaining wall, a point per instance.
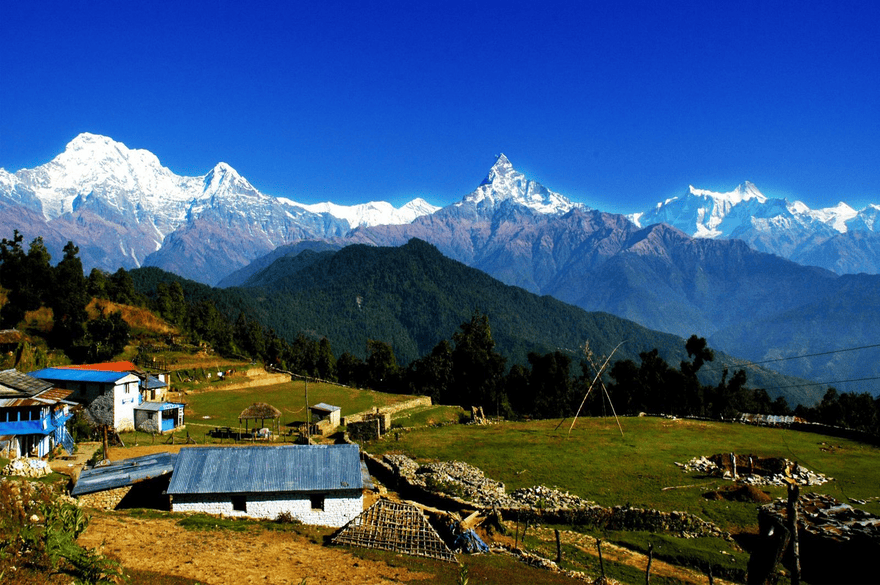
(106, 499)
(391, 409)
(466, 486)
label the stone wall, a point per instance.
(456, 485)
(339, 508)
(394, 408)
(104, 500)
(365, 430)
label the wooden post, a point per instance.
(650, 558)
(793, 494)
(558, 548)
(516, 539)
(601, 561)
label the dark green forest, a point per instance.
(410, 320)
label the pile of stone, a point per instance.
(825, 516)
(547, 498)
(463, 480)
(27, 467)
(754, 471)
(468, 485)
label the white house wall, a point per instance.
(339, 508)
(125, 399)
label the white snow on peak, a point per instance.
(743, 192)
(372, 213)
(835, 217)
(505, 183)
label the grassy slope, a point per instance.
(223, 406)
(596, 463)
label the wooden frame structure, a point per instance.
(395, 526)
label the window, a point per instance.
(239, 503)
(317, 501)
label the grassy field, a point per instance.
(214, 405)
(599, 464)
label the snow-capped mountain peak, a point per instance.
(372, 213)
(223, 178)
(743, 192)
(504, 183)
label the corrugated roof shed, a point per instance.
(325, 407)
(287, 468)
(159, 406)
(70, 375)
(123, 473)
(152, 383)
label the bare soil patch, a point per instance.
(221, 557)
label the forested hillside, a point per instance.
(413, 297)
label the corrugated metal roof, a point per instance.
(287, 468)
(106, 367)
(15, 383)
(325, 406)
(68, 375)
(157, 406)
(123, 473)
(152, 382)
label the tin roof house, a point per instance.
(33, 416)
(87, 385)
(130, 388)
(152, 387)
(316, 484)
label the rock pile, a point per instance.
(544, 497)
(754, 471)
(27, 467)
(825, 516)
(468, 485)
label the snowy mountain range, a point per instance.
(838, 238)
(727, 266)
(124, 209)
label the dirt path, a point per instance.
(221, 557)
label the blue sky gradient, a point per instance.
(614, 104)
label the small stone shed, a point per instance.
(316, 484)
(167, 416)
(325, 416)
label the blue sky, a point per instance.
(615, 104)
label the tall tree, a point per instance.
(69, 302)
(477, 369)
(381, 366)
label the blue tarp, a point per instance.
(469, 542)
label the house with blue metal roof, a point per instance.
(316, 484)
(87, 385)
(33, 416)
(165, 416)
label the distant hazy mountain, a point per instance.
(837, 238)
(124, 209)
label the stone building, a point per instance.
(316, 484)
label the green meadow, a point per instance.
(637, 467)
